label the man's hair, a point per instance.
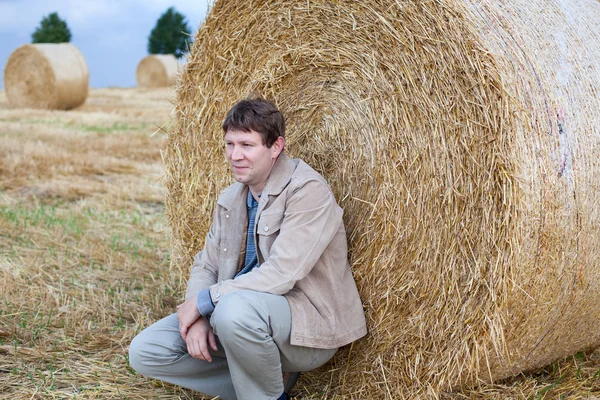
(259, 115)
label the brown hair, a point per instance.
(259, 115)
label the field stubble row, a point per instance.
(84, 246)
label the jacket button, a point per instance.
(266, 228)
(217, 295)
(224, 249)
(227, 216)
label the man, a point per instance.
(271, 292)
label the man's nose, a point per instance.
(236, 153)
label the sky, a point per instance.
(112, 35)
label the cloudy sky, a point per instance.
(112, 35)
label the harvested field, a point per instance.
(84, 257)
(84, 247)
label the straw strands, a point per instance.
(83, 245)
(50, 76)
(461, 139)
(158, 70)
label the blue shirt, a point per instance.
(203, 300)
(251, 260)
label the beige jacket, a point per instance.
(302, 254)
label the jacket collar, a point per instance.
(280, 176)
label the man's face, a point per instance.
(250, 159)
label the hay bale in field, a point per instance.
(157, 70)
(462, 140)
(51, 76)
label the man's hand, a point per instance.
(188, 314)
(200, 335)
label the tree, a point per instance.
(52, 29)
(170, 35)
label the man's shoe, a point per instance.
(289, 381)
(284, 396)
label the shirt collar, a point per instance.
(251, 201)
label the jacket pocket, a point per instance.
(269, 224)
(267, 230)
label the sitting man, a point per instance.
(272, 290)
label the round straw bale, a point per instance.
(462, 140)
(157, 70)
(49, 75)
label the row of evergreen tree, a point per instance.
(171, 34)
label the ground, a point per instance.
(84, 256)
(84, 246)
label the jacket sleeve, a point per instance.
(204, 271)
(310, 221)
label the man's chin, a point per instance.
(240, 179)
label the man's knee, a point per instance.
(137, 350)
(154, 347)
(234, 313)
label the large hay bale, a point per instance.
(462, 140)
(51, 76)
(157, 70)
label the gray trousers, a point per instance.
(253, 339)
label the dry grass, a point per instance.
(84, 258)
(84, 246)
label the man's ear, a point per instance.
(278, 146)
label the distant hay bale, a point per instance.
(157, 70)
(462, 140)
(50, 76)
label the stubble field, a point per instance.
(84, 256)
(84, 246)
